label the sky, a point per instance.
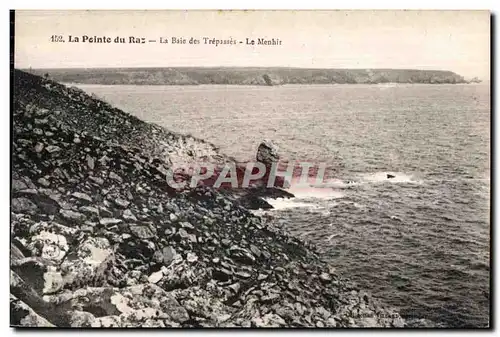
(441, 40)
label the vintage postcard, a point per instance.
(250, 169)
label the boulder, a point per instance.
(21, 315)
(142, 232)
(267, 79)
(165, 256)
(252, 202)
(267, 153)
(72, 215)
(23, 205)
(130, 306)
(81, 319)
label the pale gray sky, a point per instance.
(447, 40)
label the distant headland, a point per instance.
(267, 76)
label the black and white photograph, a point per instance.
(250, 169)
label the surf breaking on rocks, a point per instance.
(245, 175)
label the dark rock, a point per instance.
(267, 152)
(39, 147)
(16, 253)
(166, 255)
(267, 79)
(115, 176)
(109, 221)
(97, 180)
(243, 274)
(186, 224)
(21, 315)
(82, 196)
(128, 215)
(52, 149)
(142, 232)
(262, 277)
(89, 210)
(390, 176)
(183, 234)
(256, 251)
(72, 215)
(23, 205)
(90, 162)
(103, 211)
(253, 202)
(18, 185)
(241, 255)
(271, 298)
(266, 255)
(44, 182)
(222, 274)
(174, 310)
(121, 203)
(32, 272)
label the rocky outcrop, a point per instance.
(100, 240)
(267, 153)
(267, 79)
(474, 80)
(255, 198)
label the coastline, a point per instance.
(266, 76)
(249, 86)
(98, 239)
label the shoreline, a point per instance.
(98, 239)
(263, 76)
(288, 85)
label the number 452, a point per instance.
(56, 38)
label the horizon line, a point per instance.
(244, 67)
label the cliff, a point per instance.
(247, 76)
(98, 239)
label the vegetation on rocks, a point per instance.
(98, 239)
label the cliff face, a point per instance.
(249, 76)
(99, 239)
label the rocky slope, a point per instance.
(248, 76)
(98, 239)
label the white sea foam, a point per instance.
(315, 192)
(281, 203)
(312, 197)
(381, 177)
(306, 197)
